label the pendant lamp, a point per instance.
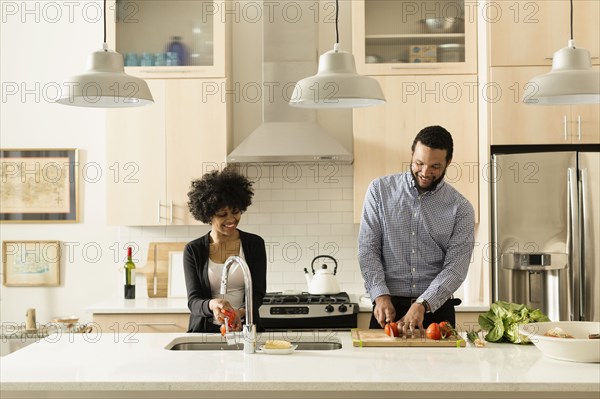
(336, 84)
(105, 83)
(571, 80)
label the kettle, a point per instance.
(322, 281)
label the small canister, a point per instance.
(452, 52)
(30, 322)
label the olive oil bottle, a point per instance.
(129, 276)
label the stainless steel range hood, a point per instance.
(276, 142)
(288, 134)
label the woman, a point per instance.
(220, 199)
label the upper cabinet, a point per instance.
(402, 37)
(383, 135)
(170, 38)
(154, 152)
(525, 32)
(514, 122)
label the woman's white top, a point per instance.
(235, 283)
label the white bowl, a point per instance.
(578, 349)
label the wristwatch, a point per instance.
(423, 302)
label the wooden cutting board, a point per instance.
(156, 268)
(362, 337)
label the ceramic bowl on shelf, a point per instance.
(580, 348)
(444, 24)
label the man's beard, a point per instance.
(432, 186)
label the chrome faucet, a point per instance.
(249, 327)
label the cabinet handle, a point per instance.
(158, 207)
(579, 127)
(156, 324)
(565, 126)
(162, 206)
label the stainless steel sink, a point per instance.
(212, 342)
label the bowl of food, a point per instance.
(574, 341)
(444, 24)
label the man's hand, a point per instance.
(413, 319)
(384, 310)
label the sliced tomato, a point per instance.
(433, 331)
(391, 329)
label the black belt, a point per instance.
(410, 301)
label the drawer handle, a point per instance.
(156, 324)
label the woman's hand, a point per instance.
(222, 309)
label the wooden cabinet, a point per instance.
(514, 122)
(147, 27)
(134, 323)
(525, 32)
(154, 152)
(390, 37)
(383, 135)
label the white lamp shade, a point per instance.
(571, 80)
(337, 85)
(105, 84)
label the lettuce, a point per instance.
(503, 319)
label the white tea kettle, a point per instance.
(322, 282)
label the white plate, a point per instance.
(277, 351)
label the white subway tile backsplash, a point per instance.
(318, 206)
(270, 206)
(330, 217)
(295, 206)
(330, 193)
(283, 195)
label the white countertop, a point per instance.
(179, 305)
(137, 365)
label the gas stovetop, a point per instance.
(272, 298)
(299, 311)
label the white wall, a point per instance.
(300, 212)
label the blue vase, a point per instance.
(177, 47)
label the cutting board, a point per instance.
(156, 268)
(362, 337)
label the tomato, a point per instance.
(446, 329)
(433, 331)
(391, 329)
(223, 330)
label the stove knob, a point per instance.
(329, 308)
(343, 308)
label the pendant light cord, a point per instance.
(337, 34)
(571, 19)
(104, 14)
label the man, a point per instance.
(416, 238)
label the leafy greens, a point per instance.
(503, 319)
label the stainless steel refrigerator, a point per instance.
(545, 232)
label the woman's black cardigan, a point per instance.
(195, 266)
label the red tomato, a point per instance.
(433, 331)
(391, 329)
(446, 329)
(230, 315)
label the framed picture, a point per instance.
(31, 263)
(38, 185)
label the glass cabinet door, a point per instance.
(169, 38)
(408, 37)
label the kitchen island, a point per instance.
(136, 365)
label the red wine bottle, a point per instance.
(129, 276)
